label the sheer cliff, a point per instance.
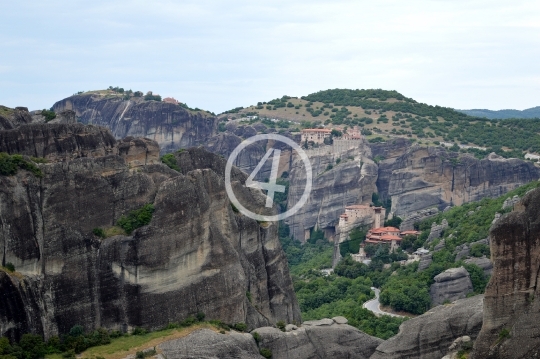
(196, 255)
(170, 125)
(511, 307)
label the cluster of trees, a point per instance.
(48, 114)
(136, 218)
(151, 97)
(170, 160)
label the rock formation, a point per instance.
(512, 305)
(196, 255)
(426, 177)
(170, 125)
(352, 181)
(429, 335)
(326, 338)
(450, 285)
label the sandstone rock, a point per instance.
(426, 177)
(512, 295)
(411, 219)
(318, 323)
(437, 230)
(290, 327)
(58, 142)
(207, 344)
(450, 285)
(170, 125)
(497, 217)
(510, 202)
(350, 182)
(462, 251)
(12, 118)
(139, 151)
(340, 320)
(328, 341)
(429, 335)
(439, 246)
(66, 116)
(425, 261)
(161, 273)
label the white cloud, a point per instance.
(222, 54)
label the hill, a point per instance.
(383, 114)
(533, 112)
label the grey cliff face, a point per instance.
(170, 125)
(511, 306)
(450, 285)
(196, 255)
(426, 177)
(429, 335)
(350, 182)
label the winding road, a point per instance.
(374, 305)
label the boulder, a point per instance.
(207, 344)
(450, 285)
(318, 341)
(425, 261)
(429, 335)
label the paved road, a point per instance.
(374, 305)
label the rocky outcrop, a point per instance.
(450, 285)
(11, 118)
(425, 261)
(58, 142)
(319, 339)
(426, 177)
(352, 181)
(510, 202)
(437, 230)
(196, 255)
(66, 116)
(512, 304)
(416, 217)
(207, 344)
(429, 335)
(170, 125)
(386, 153)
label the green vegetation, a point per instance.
(10, 267)
(99, 232)
(9, 164)
(151, 97)
(137, 218)
(170, 161)
(341, 293)
(49, 115)
(265, 352)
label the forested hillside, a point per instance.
(383, 114)
(403, 287)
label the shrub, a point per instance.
(9, 164)
(504, 333)
(241, 327)
(257, 337)
(265, 352)
(281, 325)
(139, 331)
(170, 161)
(137, 218)
(200, 316)
(99, 232)
(49, 115)
(10, 267)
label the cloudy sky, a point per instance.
(218, 55)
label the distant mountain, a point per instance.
(533, 112)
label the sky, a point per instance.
(217, 55)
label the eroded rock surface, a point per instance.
(170, 125)
(512, 305)
(196, 255)
(429, 335)
(450, 285)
